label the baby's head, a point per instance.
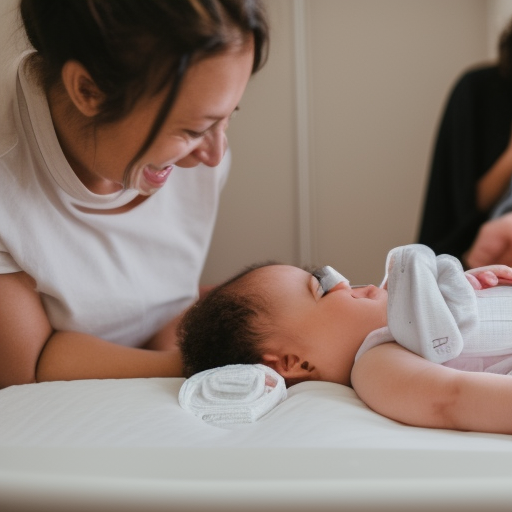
(279, 316)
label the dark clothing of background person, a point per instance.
(474, 132)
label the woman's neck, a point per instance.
(77, 138)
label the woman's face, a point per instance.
(193, 133)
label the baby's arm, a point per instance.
(489, 276)
(407, 388)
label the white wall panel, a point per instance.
(379, 72)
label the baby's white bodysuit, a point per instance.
(434, 312)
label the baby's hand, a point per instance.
(489, 276)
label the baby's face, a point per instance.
(325, 330)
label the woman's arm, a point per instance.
(407, 388)
(491, 186)
(30, 351)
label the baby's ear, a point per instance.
(289, 366)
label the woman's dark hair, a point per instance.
(135, 47)
(227, 326)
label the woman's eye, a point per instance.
(316, 288)
(196, 135)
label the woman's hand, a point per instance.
(489, 276)
(166, 338)
(493, 243)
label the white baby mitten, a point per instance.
(431, 305)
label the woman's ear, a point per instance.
(81, 88)
(289, 366)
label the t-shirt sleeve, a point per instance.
(7, 263)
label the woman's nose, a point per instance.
(212, 148)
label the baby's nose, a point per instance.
(343, 285)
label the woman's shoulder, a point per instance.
(9, 71)
(8, 133)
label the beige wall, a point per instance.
(378, 75)
(257, 219)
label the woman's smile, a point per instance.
(148, 179)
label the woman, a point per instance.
(101, 245)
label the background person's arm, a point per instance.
(31, 351)
(492, 245)
(407, 388)
(492, 185)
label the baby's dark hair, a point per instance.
(227, 326)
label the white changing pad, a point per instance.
(118, 442)
(146, 413)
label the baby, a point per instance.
(280, 316)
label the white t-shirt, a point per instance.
(118, 276)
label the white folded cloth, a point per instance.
(434, 312)
(432, 307)
(233, 394)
